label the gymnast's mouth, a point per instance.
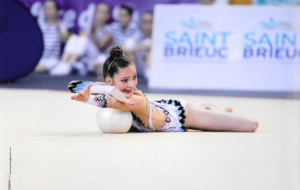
(128, 91)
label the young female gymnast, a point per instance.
(120, 92)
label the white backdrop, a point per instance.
(226, 48)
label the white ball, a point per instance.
(114, 121)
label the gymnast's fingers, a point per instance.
(81, 93)
(88, 88)
(127, 101)
(73, 97)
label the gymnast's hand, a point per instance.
(121, 97)
(137, 92)
(82, 95)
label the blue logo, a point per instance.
(192, 23)
(271, 24)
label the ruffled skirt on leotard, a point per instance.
(174, 111)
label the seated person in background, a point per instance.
(124, 28)
(241, 2)
(206, 2)
(54, 34)
(138, 46)
(214, 2)
(86, 52)
(276, 2)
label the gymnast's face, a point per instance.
(125, 80)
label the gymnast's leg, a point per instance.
(215, 120)
(209, 106)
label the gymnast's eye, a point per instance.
(124, 80)
(135, 77)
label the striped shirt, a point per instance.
(139, 39)
(102, 32)
(52, 40)
(119, 34)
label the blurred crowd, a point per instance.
(66, 52)
(86, 52)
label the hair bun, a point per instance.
(116, 52)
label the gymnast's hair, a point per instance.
(115, 61)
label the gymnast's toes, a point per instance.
(228, 109)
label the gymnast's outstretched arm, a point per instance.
(134, 102)
(79, 87)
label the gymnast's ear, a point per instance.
(109, 81)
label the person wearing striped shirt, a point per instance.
(54, 34)
(138, 46)
(124, 28)
(87, 52)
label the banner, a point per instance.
(226, 48)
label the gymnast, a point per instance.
(119, 92)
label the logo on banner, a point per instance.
(195, 40)
(277, 40)
(279, 25)
(191, 23)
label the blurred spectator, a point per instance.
(276, 2)
(124, 28)
(138, 46)
(87, 52)
(241, 2)
(54, 34)
(213, 2)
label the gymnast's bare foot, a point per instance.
(228, 109)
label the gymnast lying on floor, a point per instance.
(120, 92)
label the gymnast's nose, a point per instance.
(131, 84)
